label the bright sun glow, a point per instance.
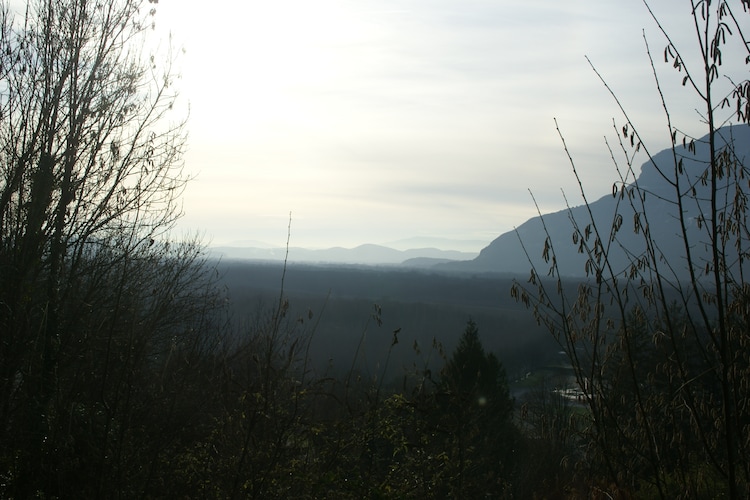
(374, 121)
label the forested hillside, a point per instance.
(132, 366)
(425, 306)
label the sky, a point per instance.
(372, 121)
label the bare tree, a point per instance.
(90, 174)
(660, 345)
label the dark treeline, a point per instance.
(425, 306)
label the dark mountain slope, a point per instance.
(505, 254)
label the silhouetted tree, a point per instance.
(103, 321)
(474, 417)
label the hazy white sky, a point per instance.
(376, 120)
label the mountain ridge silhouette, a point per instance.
(517, 251)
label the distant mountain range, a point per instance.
(363, 255)
(466, 246)
(506, 254)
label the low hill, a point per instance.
(364, 254)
